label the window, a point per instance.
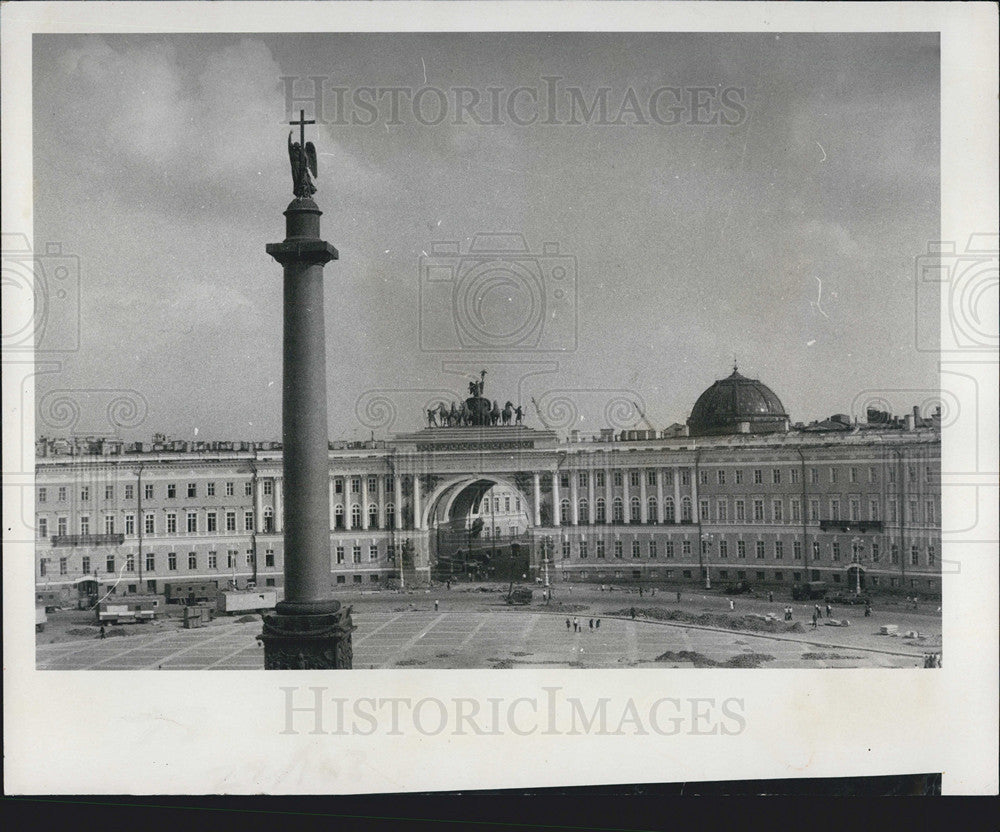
(373, 517)
(929, 512)
(496, 504)
(599, 479)
(372, 484)
(634, 510)
(192, 522)
(43, 527)
(583, 549)
(741, 511)
(758, 476)
(340, 554)
(129, 524)
(723, 548)
(150, 562)
(338, 485)
(148, 491)
(914, 556)
(722, 509)
(61, 525)
(564, 511)
(172, 561)
(668, 476)
(685, 476)
(42, 495)
(834, 509)
(652, 548)
(230, 489)
(913, 473)
(930, 555)
(855, 510)
(776, 476)
(63, 567)
(506, 503)
(635, 549)
(703, 512)
(778, 511)
(231, 558)
(797, 550)
(356, 554)
(741, 549)
(651, 509)
(633, 479)
(893, 511)
(355, 516)
(796, 510)
(814, 511)
(84, 525)
(566, 549)
(109, 524)
(894, 553)
(171, 491)
(564, 480)
(373, 551)
(793, 475)
(720, 477)
(779, 550)
(686, 510)
(109, 564)
(85, 565)
(686, 547)
(833, 474)
(583, 511)
(814, 476)
(739, 476)
(192, 560)
(390, 482)
(150, 524)
(703, 477)
(192, 490)
(618, 548)
(618, 478)
(668, 510)
(129, 492)
(230, 521)
(758, 511)
(62, 493)
(85, 494)
(668, 548)
(210, 489)
(911, 514)
(213, 560)
(816, 552)
(651, 478)
(248, 488)
(759, 549)
(268, 488)
(618, 514)
(600, 547)
(212, 522)
(875, 553)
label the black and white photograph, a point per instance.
(558, 350)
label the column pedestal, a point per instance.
(308, 642)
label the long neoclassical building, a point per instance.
(739, 493)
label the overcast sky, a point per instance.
(783, 231)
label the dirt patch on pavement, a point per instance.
(744, 660)
(748, 623)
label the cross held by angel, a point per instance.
(302, 155)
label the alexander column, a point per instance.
(308, 628)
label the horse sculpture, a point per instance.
(508, 412)
(495, 414)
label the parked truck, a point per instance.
(128, 609)
(254, 600)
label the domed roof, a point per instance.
(737, 405)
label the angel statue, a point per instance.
(303, 167)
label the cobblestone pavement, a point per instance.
(500, 639)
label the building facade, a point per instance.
(738, 494)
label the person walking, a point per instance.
(435, 606)
(576, 625)
(598, 623)
(732, 605)
(828, 610)
(632, 611)
(678, 597)
(815, 617)
(770, 597)
(103, 634)
(868, 609)
(567, 623)
(591, 623)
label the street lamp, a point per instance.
(857, 546)
(706, 540)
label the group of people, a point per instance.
(595, 624)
